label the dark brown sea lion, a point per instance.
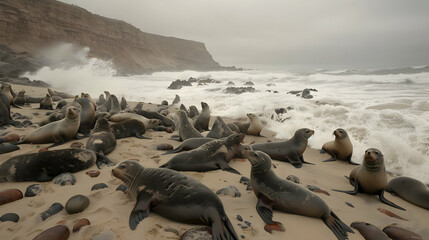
(193, 111)
(124, 103)
(411, 190)
(202, 121)
(213, 155)
(114, 105)
(5, 118)
(44, 166)
(186, 129)
(274, 192)
(190, 144)
(8, 147)
(340, 149)
(219, 129)
(369, 231)
(101, 100)
(129, 128)
(175, 196)
(102, 139)
(370, 177)
(288, 151)
(46, 102)
(165, 121)
(20, 99)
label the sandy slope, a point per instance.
(109, 210)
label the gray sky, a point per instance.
(287, 34)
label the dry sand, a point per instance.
(109, 209)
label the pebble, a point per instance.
(10, 195)
(248, 223)
(98, 186)
(293, 178)
(244, 180)
(243, 226)
(93, 173)
(239, 218)
(76, 145)
(33, 190)
(200, 233)
(81, 223)
(52, 210)
(122, 188)
(230, 191)
(165, 146)
(9, 217)
(350, 205)
(172, 230)
(77, 204)
(104, 236)
(59, 232)
(65, 178)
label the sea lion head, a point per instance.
(304, 133)
(128, 171)
(86, 95)
(21, 93)
(139, 106)
(340, 133)
(153, 123)
(251, 116)
(182, 114)
(102, 124)
(72, 113)
(234, 139)
(182, 108)
(204, 105)
(259, 160)
(373, 160)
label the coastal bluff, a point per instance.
(29, 26)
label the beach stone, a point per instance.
(33, 190)
(8, 147)
(81, 223)
(10, 195)
(200, 233)
(165, 146)
(350, 205)
(245, 180)
(239, 90)
(104, 236)
(77, 204)
(52, 210)
(230, 191)
(172, 230)
(280, 110)
(249, 83)
(249, 188)
(11, 137)
(64, 178)
(293, 178)
(122, 188)
(93, 173)
(239, 218)
(9, 217)
(98, 186)
(24, 124)
(248, 223)
(59, 232)
(76, 145)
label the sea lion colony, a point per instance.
(106, 120)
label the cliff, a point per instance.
(31, 25)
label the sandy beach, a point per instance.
(109, 209)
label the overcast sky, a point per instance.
(287, 34)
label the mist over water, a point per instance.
(388, 112)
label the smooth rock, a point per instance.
(81, 223)
(52, 210)
(293, 178)
(9, 217)
(59, 232)
(200, 233)
(122, 188)
(93, 173)
(33, 190)
(98, 186)
(10, 195)
(165, 146)
(77, 204)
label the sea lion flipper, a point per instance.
(294, 159)
(265, 210)
(332, 159)
(222, 164)
(354, 192)
(141, 209)
(142, 137)
(384, 200)
(101, 159)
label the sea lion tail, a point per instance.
(223, 229)
(337, 226)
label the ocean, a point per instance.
(387, 110)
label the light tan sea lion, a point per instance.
(57, 132)
(341, 148)
(61, 94)
(46, 102)
(149, 123)
(370, 177)
(253, 127)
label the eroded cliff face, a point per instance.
(31, 25)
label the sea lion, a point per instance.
(183, 108)
(274, 192)
(190, 144)
(176, 100)
(369, 231)
(253, 127)
(102, 139)
(87, 96)
(129, 128)
(212, 155)
(11, 137)
(87, 115)
(114, 105)
(233, 127)
(46, 102)
(101, 100)
(340, 149)
(165, 121)
(44, 166)
(20, 99)
(61, 104)
(219, 129)
(8, 147)
(411, 190)
(186, 129)
(148, 123)
(370, 177)
(5, 118)
(202, 121)
(7, 90)
(193, 111)
(175, 196)
(124, 103)
(288, 151)
(56, 132)
(61, 94)
(139, 106)
(53, 117)
(398, 233)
